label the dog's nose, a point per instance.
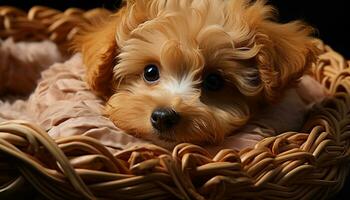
(163, 119)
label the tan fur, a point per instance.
(99, 48)
(188, 39)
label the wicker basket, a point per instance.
(312, 164)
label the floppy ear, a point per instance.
(99, 49)
(98, 43)
(284, 51)
(287, 52)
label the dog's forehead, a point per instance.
(185, 38)
(182, 23)
(181, 39)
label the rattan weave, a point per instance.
(311, 164)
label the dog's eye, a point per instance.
(151, 73)
(254, 79)
(213, 82)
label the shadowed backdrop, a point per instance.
(330, 18)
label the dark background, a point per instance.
(330, 18)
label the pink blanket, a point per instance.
(63, 105)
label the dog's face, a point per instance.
(192, 70)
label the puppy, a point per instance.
(194, 71)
